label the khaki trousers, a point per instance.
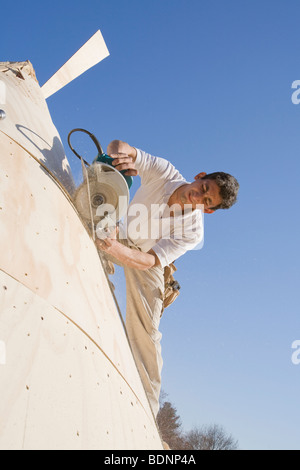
(144, 306)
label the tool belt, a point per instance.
(172, 287)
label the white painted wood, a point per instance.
(49, 251)
(90, 54)
(58, 316)
(58, 390)
(28, 121)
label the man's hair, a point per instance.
(229, 187)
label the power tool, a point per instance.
(103, 197)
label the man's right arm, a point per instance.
(136, 161)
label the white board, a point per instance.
(28, 121)
(58, 390)
(90, 54)
(69, 380)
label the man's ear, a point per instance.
(200, 175)
(209, 211)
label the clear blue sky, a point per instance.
(207, 85)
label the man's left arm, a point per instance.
(132, 258)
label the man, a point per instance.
(164, 221)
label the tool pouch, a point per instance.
(172, 287)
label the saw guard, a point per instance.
(103, 192)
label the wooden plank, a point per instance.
(58, 390)
(50, 268)
(29, 122)
(50, 252)
(90, 54)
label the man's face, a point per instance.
(201, 191)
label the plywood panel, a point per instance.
(28, 120)
(69, 376)
(48, 249)
(92, 52)
(58, 390)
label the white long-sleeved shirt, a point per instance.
(148, 223)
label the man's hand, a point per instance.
(124, 156)
(122, 161)
(127, 256)
(106, 244)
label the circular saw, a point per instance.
(103, 197)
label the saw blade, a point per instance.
(104, 191)
(87, 188)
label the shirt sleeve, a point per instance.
(153, 168)
(169, 249)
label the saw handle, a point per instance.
(101, 157)
(104, 158)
